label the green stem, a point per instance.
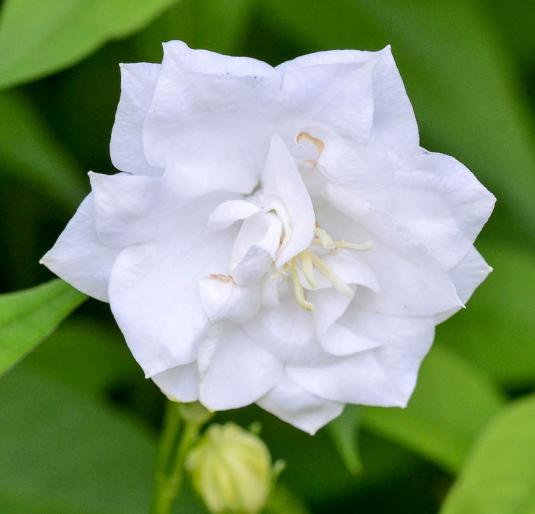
(170, 468)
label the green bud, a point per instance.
(231, 470)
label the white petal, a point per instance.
(281, 180)
(298, 407)
(385, 376)
(340, 340)
(78, 256)
(227, 213)
(333, 100)
(138, 82)
(441, 202)
(393, 117)
(329, 305)
(179, 384)
(411, 281)
(287, 332)
(255, 247)
(155, 299)
(238, 373)
(128, 208)
(467, 275)
(205, 127)
(223, 299)
(358, 379)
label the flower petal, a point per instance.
(255, 247)
(282, 181)
(138, 82)
(394, 122)
(79, 257)
(128, 208)
(238, 372)
(467, 275)
(179, 384)
(204, 127)
(223, 299)
(384, 376)
(411, 281)
(227, 213)
(298, 407)
(155, 299)
(340, 340)
(441, 202)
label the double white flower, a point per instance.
(278, 235)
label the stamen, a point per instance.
(324, 239)
(331, 276)
(298, 288)
(308, 268)
(366, 245)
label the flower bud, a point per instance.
(231, 470)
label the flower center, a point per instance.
(308, 261)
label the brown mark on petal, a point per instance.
(222, 278)
(316, 141)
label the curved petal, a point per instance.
(331, 100)
(384, 376)
(179, 384)
(223, 299)
(255, 247)
(227, 213)
(282, 181)
(127, 208)
(79, 257)
(237, 371)
(138, 82)
(155, 299)
(288, 332)
(394, 122)
(204, 127)
(340, 340)
(439, 200)
(298, 407)
(411, 281)
(467, 275)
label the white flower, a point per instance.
(278, 236)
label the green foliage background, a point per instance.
(78, 423)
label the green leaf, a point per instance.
(452, 403)
(27, 317)
(461, 80)
(496, 331)
(53, 34)
(284, 501)
(66, 448)
(344, 432)
(499, 476)
(31, 155)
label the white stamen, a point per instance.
(331, 276)
(308, 268)
(298, 288)
(324, 239)
(366, 245)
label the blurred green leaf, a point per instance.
(27, 317)
(452, 403)
(459, 77)
(283, 501)
(31, 155)
(497, 330)
(218, 25)
(344, 432)
(499, 476)
(38, 38)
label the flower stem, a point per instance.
(174, 446)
